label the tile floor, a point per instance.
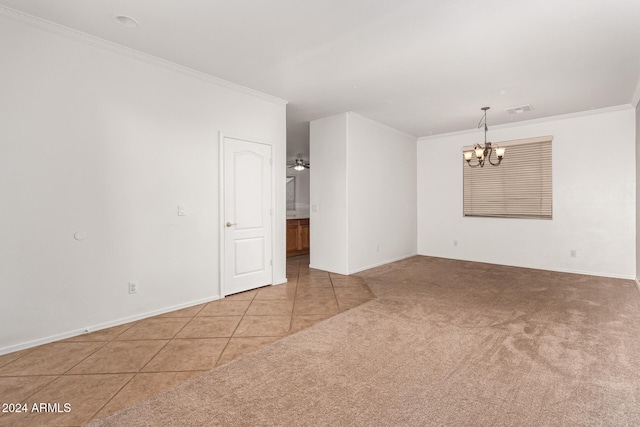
(104, 371)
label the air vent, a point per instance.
(519, 110)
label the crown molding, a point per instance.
(513, 142)
(131, 53)
(533, 121)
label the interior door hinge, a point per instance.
(271, 262)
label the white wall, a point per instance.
(328, 216)
(97, 141)
(363, 182)
(638, 192)
(594, 199)
(382, 212)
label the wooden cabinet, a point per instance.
(297, 237)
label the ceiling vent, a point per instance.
(519, 110)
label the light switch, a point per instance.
(181, 210)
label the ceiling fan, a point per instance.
(299, 165)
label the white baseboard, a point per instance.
(100, 326)
(541, 267)
(358, 270)
(317, 267)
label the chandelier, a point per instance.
(484, 152)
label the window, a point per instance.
(519, 188)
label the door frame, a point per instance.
(221, 212)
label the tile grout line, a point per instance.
(104, 344)
(333, 288)
(40, 388)
(113, 396)
(101, 344)
(66, 373)
(234, 330)
(167, 343)
(135, 374)
(295, 297)
(27, 351)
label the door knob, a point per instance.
(229, 223)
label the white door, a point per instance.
(247, 216)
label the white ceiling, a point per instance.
(421, 66)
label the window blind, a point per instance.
(519, 188)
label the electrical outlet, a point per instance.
(572, 252)
(455, 243)
(133, 287)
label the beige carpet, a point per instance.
(447, 343)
